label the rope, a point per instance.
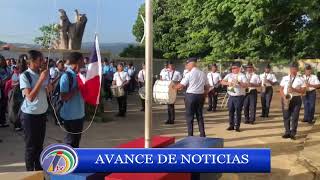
(50, 101)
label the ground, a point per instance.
(265, 133)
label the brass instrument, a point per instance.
(287, 95)
(234, 83)
(306, 81)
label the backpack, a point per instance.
(56, 98)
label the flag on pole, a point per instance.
(90, 84)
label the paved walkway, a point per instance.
(265, 133)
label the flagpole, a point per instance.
(149, 73)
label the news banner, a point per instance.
(59, 159)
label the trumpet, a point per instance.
(234, 83)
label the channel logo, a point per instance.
(59, 159)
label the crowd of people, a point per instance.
(32, 84)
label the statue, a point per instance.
(70, 34)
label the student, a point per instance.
(292, 87)
(237, 84)
(141, 81)
(121, 79)
(108, 77)
(214, 79)
(175, 76)
(72, 111)
(131, 73)
(4, 77)
(33, 84)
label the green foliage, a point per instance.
(139, 52)
(274, 30)
(49, 33)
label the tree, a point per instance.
(138, 51)
(50, 33)
(228, 29)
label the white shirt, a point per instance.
(163, 72)
(141, 76)
(131, 71)
(296, 82)
(195, 80)
(214, 78)
(172, 76)
(254, 79)
(237, 90)
(121, 77)
(269, 76)
(185, 72)
(312, 79)
(53, 72)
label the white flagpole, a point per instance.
(149, 73)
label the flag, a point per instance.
(90, 84)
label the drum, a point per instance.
(164, 93)
(117, 91)
(142, 92)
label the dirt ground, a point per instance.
(265, 133)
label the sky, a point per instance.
(20, 19)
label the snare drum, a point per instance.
(142, 92)
(164, 93)
(117, 91)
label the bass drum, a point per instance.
(164, 93)
(117, 91)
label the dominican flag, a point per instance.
(90, 84)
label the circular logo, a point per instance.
(59, 159)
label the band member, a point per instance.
(131, 73)
(237, 84)
(163, 72)
(214, 79)
(309, 100)
(141, 79)
(250, 101)
(121, 79)
(175, 76)
(197, 88)
(292, 87)
(268, 79)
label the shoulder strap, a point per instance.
(28, 75)
(70, 78)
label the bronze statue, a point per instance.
(71, 33)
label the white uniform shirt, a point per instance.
(254, 79)
(214, 79)
(195, 80)
(53, 72)
(163, 72)
(131, 71)
(269, 76)
(121, 77)
(312, 79)
(172, 76)
(238, 91)
(296, 82)
(141, 76)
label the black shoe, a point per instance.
(293, 137)
(286, 136)
(120, 115)
(247, 122)
(142, 109)
(252, 123)
(237, 129)
(169, 122)
(209, 109)
(304, 121)
(312, 122)
(230, 128)
(262, 116)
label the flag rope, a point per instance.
(50, 102)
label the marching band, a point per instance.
(242, 92)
